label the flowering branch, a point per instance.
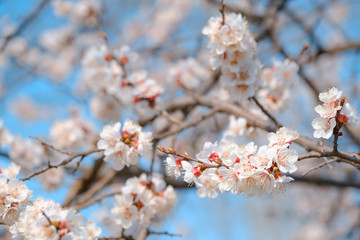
(232, 109)
(186, 157)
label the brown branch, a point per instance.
(118, 238)
(4, 155)
(348, 156)
(163, 233)
(338, 126)
(97, 187)
(62, 163)
(222, 11)
(325, 182)
(319, 166)
(51, 146)
(271, 117)
(83, 184)
(155, 142)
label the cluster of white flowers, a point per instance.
(123, 147)
(333, 101)
(14, 194)
(233, 48)
(106, 73)
(26, 153)
(82, 12)
(42, 219)
(30, 154)
(278, 80)
(226, 166)
(142, 202)
(45, 220)
(189, 74)
(73, 133)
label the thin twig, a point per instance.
(27, 20)
(319, 166)
(4, 155)
(152, 161)
(338, 126)
(272, 118)
(62, 163)
(163, 233)
(187, 125)
(51, 146)
(222, 11)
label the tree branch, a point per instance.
(63, 163)
(27, 20)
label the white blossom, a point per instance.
(140, 203)
(123, 147)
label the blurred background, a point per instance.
(42, 82)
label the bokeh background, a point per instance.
(35, 95)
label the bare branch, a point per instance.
(272, 118)
(319, 166)
(62, 163)
(27, 20)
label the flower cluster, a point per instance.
(26, 153)
(73, 133)
(189, 74)
(234, 49)
(278, 81)
(246, 169)
(106, 73)
(142, 202)
(44, 219)
(333, 110)
(123, 147)
(14, 195)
